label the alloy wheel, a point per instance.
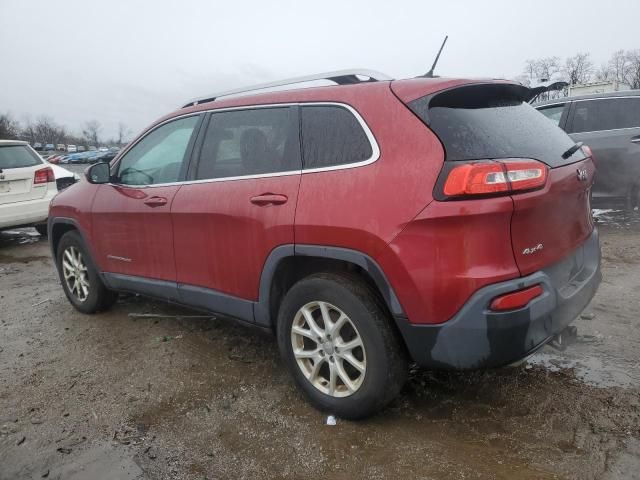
(74, 270)
(328, 349)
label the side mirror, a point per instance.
(98, 173)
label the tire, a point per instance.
(41, 228)
(94, 297)
(381, 354)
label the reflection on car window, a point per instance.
(250, 142)
(553, 113)
(606, 114)
(158, 157)
(331, 135)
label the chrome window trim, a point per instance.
(550, 105)
(375, 149)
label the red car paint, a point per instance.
(435, 254)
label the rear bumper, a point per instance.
(26, 213)
(479, 338)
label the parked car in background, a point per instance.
(609, 123)
(72, 148)
(363, 224)
(74, 158)
(81, 148)
(49, 147)
(37, 146)
(27, 185)
(106, 156)
(93, 148)
(103, 149)
(61, 147)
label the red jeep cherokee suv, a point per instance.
(368, 224)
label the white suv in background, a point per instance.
(27, 185)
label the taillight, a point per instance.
(44, 175)
(491, 177)
(515, 300)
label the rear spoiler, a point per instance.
(534, 93)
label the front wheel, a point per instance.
(339, 345)
(79, 276)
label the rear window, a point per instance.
(332, 135)
(17, 156)
(492, 121)
(606, 114)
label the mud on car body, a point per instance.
(368, 225)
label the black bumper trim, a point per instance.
(479, 338)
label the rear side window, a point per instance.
(250, 142)
(553, 113)
(332, 135)
(492, 121)
(606, 114)
(17, 156)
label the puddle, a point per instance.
(593, 370)
(19, 236)
(617, 219)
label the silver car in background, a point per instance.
(609, 123)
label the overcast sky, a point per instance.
(132, 61)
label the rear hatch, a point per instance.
(492, 125)
(18, 164)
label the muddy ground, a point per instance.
(111, 396)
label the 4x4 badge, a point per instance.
(583, 175)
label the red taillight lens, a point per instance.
(515, 300)
(494, 177)
(44, 175)
(475, 179)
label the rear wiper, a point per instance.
(572, 150)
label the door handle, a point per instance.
(155, 201)
(635, 139)
(269, 199)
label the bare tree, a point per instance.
(91, 131)
(9, 127)
(578, 69)
(547, 68)
(631, 75)
(618, 65)
(43, 130)
(123, 133)
(603, 74)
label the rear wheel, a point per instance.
(79, 276)
(337, 341)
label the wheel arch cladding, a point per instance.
(288, 263)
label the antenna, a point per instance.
(429, 74)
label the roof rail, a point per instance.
(340, 77)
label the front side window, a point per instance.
(553, 113)
(332, 135)
(250, 142)
(606, 114)
(159, 156)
